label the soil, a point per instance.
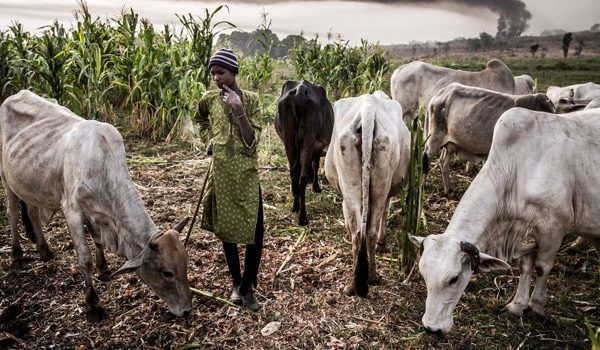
(300, 280)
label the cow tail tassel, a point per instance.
(361, 273)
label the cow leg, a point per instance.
(101, 265)
(576, 246)
(295, 177)
(382, 231)
(12, 210)
(315, 173)
(350, 288)
(543, 264)
(305, 159)
(351, 213)
(371, 243)
(40, 241)
(521, 298)
(94, 312)
(446, 160)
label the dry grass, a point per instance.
(47, 306)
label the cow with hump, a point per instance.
(367, 160)
(304, 122)
(460, 120)
(416, 82)
(536, 187)
(52, 160)
(573, 97)
(524, 84)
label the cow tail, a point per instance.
(361, 274)
(434, 112)
(29, 232)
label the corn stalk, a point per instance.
(413, 207)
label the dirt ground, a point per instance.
(300, 280)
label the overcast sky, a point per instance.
(383, 21)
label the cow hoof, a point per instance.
(303, 222)
(95, 314)
(17, 255)
(18, 263)
(104, 276)
(381, 247)
(537, 309)
(451, 195)
(317, 189)
(516, 309)
(349, 290)
(374, 279)
(46, 254)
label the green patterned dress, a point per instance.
(231, 200)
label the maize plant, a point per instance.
(413, 206)
(47, 64)
(341, 69)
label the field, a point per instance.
(304, 297)
(303, 269)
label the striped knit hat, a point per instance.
(226, 59)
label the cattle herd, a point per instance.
(534, 187)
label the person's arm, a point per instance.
(239, 114)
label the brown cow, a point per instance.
(304, 122)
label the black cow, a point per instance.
(304, 122)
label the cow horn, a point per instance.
(182, 224)
(473, 253)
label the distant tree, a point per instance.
(567, 38)
(473, 44)
(579, 47)
(595, 27)
(534, 48)
(447, 48)
(414, 50)
(486, 40)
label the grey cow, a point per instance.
(416, 82)
(55, 160)
(460, 120)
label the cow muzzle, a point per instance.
(437, 327)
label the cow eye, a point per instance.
(452, 281)
(167, 274)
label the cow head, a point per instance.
(544, 104)
(446, 266)
(163, 266)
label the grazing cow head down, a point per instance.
(163, 266)
(446, 266)
(536, 102)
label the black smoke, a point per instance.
(512, 20)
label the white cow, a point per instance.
(595, 103)
(533, 189)
(416, 82)
(367, 160)
(524, 84)
(460, 120)
(52, 160)
(573, 97)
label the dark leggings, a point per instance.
(253, 255)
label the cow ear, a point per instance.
(571, 93)
(130, 266)
(489, 263)
(417, 240)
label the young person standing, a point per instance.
(232, 205)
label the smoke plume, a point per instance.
(512, 14)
